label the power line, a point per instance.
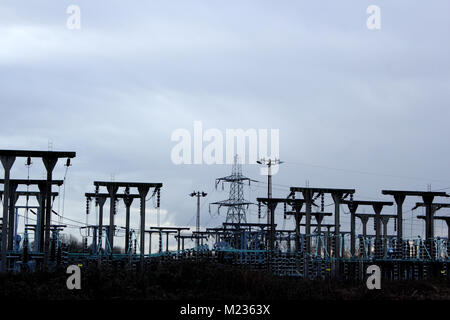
(367, 172)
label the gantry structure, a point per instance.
(319, 242)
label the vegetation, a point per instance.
(205, 281)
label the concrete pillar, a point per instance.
(298, 218)
(49, 163)
(352, 207)
(40, 226)
(429, 224)
(364, 221)
(319, 218)
(385, 221)
(337, 198)
(429, 213)
(307, 195)
(377, 208)
(143, 190)
(7, 162)
(167, 241)
(399, 199)
(94, 239)
(272, 206)
(101, 203)
(11, 216)
(127, 201)
(112, 190)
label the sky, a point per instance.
(355, 108)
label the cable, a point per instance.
(365, 172)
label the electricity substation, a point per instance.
(340, 242)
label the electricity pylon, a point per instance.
(236, 204)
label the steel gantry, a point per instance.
(309, 194)
(101, 199)
(143, 189)
(49, 158)
(167, 231)
(427, 197)
(377, 208)
(14, 197)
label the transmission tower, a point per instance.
(236, 204)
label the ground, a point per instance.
(191, 281)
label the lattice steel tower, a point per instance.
(236, 205)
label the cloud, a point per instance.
(341, 95)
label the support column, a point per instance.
(298, 218)
(12, 217)
(101, 203)
(150, 243)
(112, 189)
(319, 218)
(337, 198)
(167, 241)
(399, 199)
(94, 239)
(328, 240)
(143, 193)
(40, 223)
(364, 221)
(49, 163)
(352, 207)
(127, 201)
(429, 225)
(385, 221)
(7, 162)
(308, 195)
(178, 241)
(429, 213)
(272, 206)
(377, 208)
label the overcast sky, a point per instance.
(356, 108)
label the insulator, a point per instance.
(68, 162)
(351, 201)
(259, 210)
(115, 205)
(158, 198)
(88, 200)
(285, 208)
(395, 224)
(28, 161)
(322, 205)
(96, 196)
